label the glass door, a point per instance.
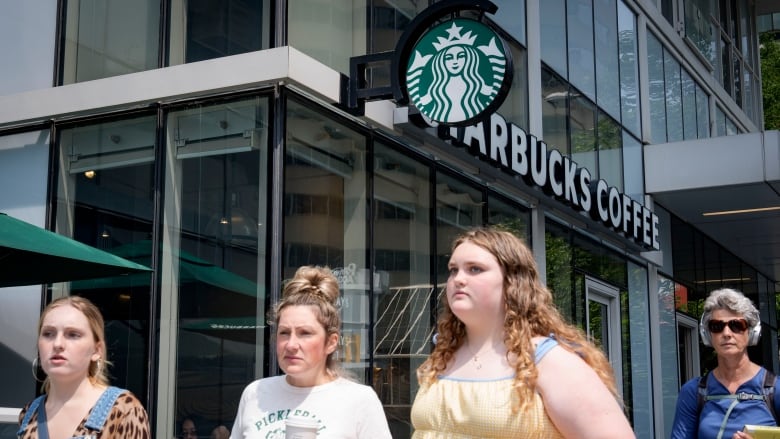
(603, 317)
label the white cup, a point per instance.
(299, 427)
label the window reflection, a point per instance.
(555, 105)
(583, 133)
(213, 253)
(203, 29)
(509, 216)
(404, 294)
(105, 199)
(105, 38)
(629, 69)
(579, 23)
(610, 153)
(458, 207)
(325, 190)
(553, 31)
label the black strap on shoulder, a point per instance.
(701, 395)
(769, 394)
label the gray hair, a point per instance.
(731, 300)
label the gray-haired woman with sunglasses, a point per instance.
(721, 403)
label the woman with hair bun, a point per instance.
(307, 325)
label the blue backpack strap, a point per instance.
(28, 414)
(99, 414)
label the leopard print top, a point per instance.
(126, 420)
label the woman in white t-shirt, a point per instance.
(308, 326)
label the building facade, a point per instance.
(215, 142)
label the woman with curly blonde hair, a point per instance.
(505, 363)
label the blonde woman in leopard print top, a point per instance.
(78, 400)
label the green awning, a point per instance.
(191, 269)
(31, 255)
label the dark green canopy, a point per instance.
(31, 255)
(191, 269)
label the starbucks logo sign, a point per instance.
(458, 71)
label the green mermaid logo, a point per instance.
(452, 79)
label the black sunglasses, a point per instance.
(737, 326)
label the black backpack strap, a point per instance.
(769, 393)
(701, 395)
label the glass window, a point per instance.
(592, 257)
(515, 107)
(583, 133)
(203, 29)
(606, 45)
(105, 198)
(511, 18)
(105, 38)
(764, 23)
(330, 32)
(610, 153)
(731, 127)
(684, 255)
(555, 104)
(579, 15)
(25, 158)
(458, 207)
(697, 25)
(559, 257)
(668, 10)
(669, 381)
(32, 66)
(325, 220)
(633, 168)
(553, 30)
(655, 73)
(389, 19)
(737, 80)
(689, 109)
(509, 216)
(629, 70)
(744, 31)
(725, 65)
(674, 109)
(213, 253)
(639, 323)
(404, 297)
(720, 122)
(702, 112)
(747, 87)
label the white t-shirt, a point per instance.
(344, 409)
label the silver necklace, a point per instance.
(474, 358)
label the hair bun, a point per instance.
(312, 280)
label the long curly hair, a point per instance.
(529, 311)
